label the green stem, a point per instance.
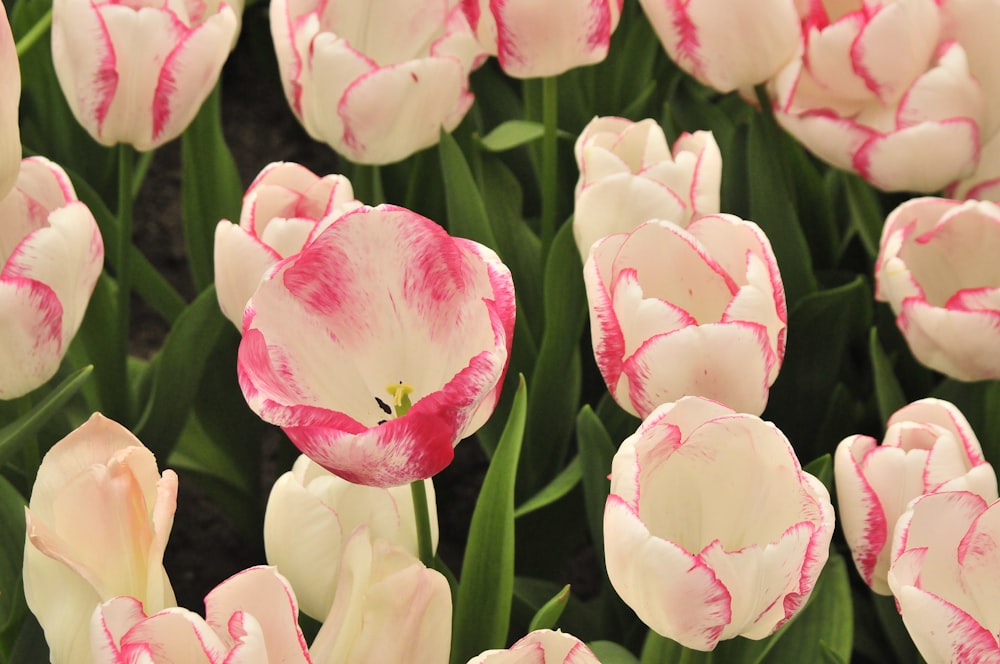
(33, 35)
(126, 169)
(550, 164)
(30, 455)
(425, 546)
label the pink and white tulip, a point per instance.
(312, 512)
(937, 268)
(388, 608)
(138, 72)
(944, 576)
(535, 38)
(629, 174)
(10, 96)
(375, 80)
(928, 447)
(52, 254)
(851, 99)
(543, 646)
(285, 207)
(696, 311)
(712, 529)
(727, 45)
(382, 310)
(97, 524)
(249, 617)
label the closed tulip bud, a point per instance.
(629, 174)
(928, 447)
(312, 512)
(935, 268)
(285, 207)
(543, 646)
(388, 608)
(944, 576)
(535, 38)
(712, 529)
(377, 80)
(138, 72)
(97, 524)
(249, 617)
(380, 345)
(695, 311)
(52, 254)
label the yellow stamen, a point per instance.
(400, 397)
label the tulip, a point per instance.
(936, 268)
(10, 95)
(380, 345)
(696, 311)
(944, 576)
(388, 608)
(984, 182)
(285, 207)
(310, 515)
(97, 525)
(52, 255)
(377, 80)
(138, 72)
(851, 99)
(535, 38)
(712, 530)
(726, 45)
(543, 646)
(629, 175)
(250, 617)
(928, 447)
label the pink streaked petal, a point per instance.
(706, 181)
(606, 332)
(972, 299)
(175, 635)
(942, 631)
(459, 42)
(861, 515)
(265, 595)
(642, 317)
(945, 91)
(188, 74)
(31, 322)
(945, 414)
(330, 67)
(962, 344)
(726, 362)
(241, 261)
(886, 161)
(833, 139)
(110, 622)
(535, 39)
(979, 565)
(895, 46)
(832, 68)
(392, 112)
(387, 31)
(669, 588)
(10, 95)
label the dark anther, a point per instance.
(384, 406)
(381, 422)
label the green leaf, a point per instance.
(609, 652)
(483, 602)
(560, 485)
(867, 217)
(556, 379)
(822, 469)
(467, 216)
(547, 617)
(30, 645)
(596, 452)
(512, 134)
(25, 427)
(211, 189)
(895, 631)
(12, 606)
(176, 373)
(888, 392)
(661, 650)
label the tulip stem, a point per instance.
(423, 518)
(550, 163)
(25, 43)
(126, 167)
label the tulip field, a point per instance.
(583, 331)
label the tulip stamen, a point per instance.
(400, 397)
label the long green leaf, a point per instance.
(888, 392)
(177, 373)
(560, 485)
(609, 652)
(12, 606)
(512, 134)
(485, 593)
(25, 427)
(596, 452)
(211, 189)
(548, 616)
(467, 214)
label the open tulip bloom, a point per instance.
(380, 346)
(712, 529)
(696, 311)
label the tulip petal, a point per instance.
(241, 260)
(943, 632)
(862, 518)
(10, 95)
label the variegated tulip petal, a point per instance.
(31, 326)
(542, 646)
(862, 516)
(241, 261)
(121, 631)
(942, 632)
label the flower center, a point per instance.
(400, 401)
